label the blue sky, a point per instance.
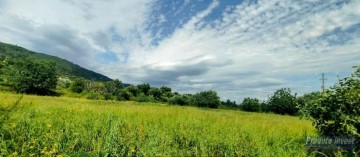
(240, 48)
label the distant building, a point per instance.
(64, 79)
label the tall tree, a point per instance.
(78, 85)
(336, 112)
(283, 102)
(251, 104)
(206, 99)
(144, 88)
(33, 76)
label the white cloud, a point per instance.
(252, 50)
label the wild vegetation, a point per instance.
(60, 126)
(336, 111)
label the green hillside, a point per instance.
(64, 67)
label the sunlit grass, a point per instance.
(79, 127)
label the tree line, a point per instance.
(33, 76)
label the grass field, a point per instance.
(59, 126)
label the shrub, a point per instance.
(283, 102)
(182, 100)
(337, 111)
(309, 98)
(251, 105)
(133, 90)
(156, 93)
(78, 85)
(123, 95)
(92, 95)
(108, 96)
(33, 76)
(144, 88)
(229, 104)
(206, 99)
(143, 98)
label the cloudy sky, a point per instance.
(240, 48)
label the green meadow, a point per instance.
(60, 126)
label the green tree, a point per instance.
(112, 87)
(165, 89)
(124, 94)
(206, 99)
(337, 111)
(182, 100)
(156, 93)
(283, 102)
(308, 98)
(144, 88)
(229, 104)
(133, 90)
(33, 76)
(78, 85)
(251, 105)
(166, 92)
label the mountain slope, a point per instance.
(64, 67)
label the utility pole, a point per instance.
(323, 82)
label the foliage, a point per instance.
(124, 95)
(93, 95)
(251, 105)
(337, 111)
(144, 88)
(229, 104)
(59, 126)
(283, 102)
(182, 100)
(33, 76)
(155, 93)
(166, 92)
(143, 98)
(206, 99)
(113, 87)
(308, 98)
(165, 89)
(133, 90)
(78, 85)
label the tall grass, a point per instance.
(58, 126)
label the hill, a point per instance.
(64, 67)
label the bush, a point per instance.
(133, 90)
(283, 102)
(78, 85)
(143, 98)
(251, 105)
(229, 104)
(309, 98)
(33, 76)
(144, 88)
(112, 87)
(123, 95)
(156, 93)
(108, 96)
(206, 99)
(182, 100)
(92, 95)
(337, 111)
